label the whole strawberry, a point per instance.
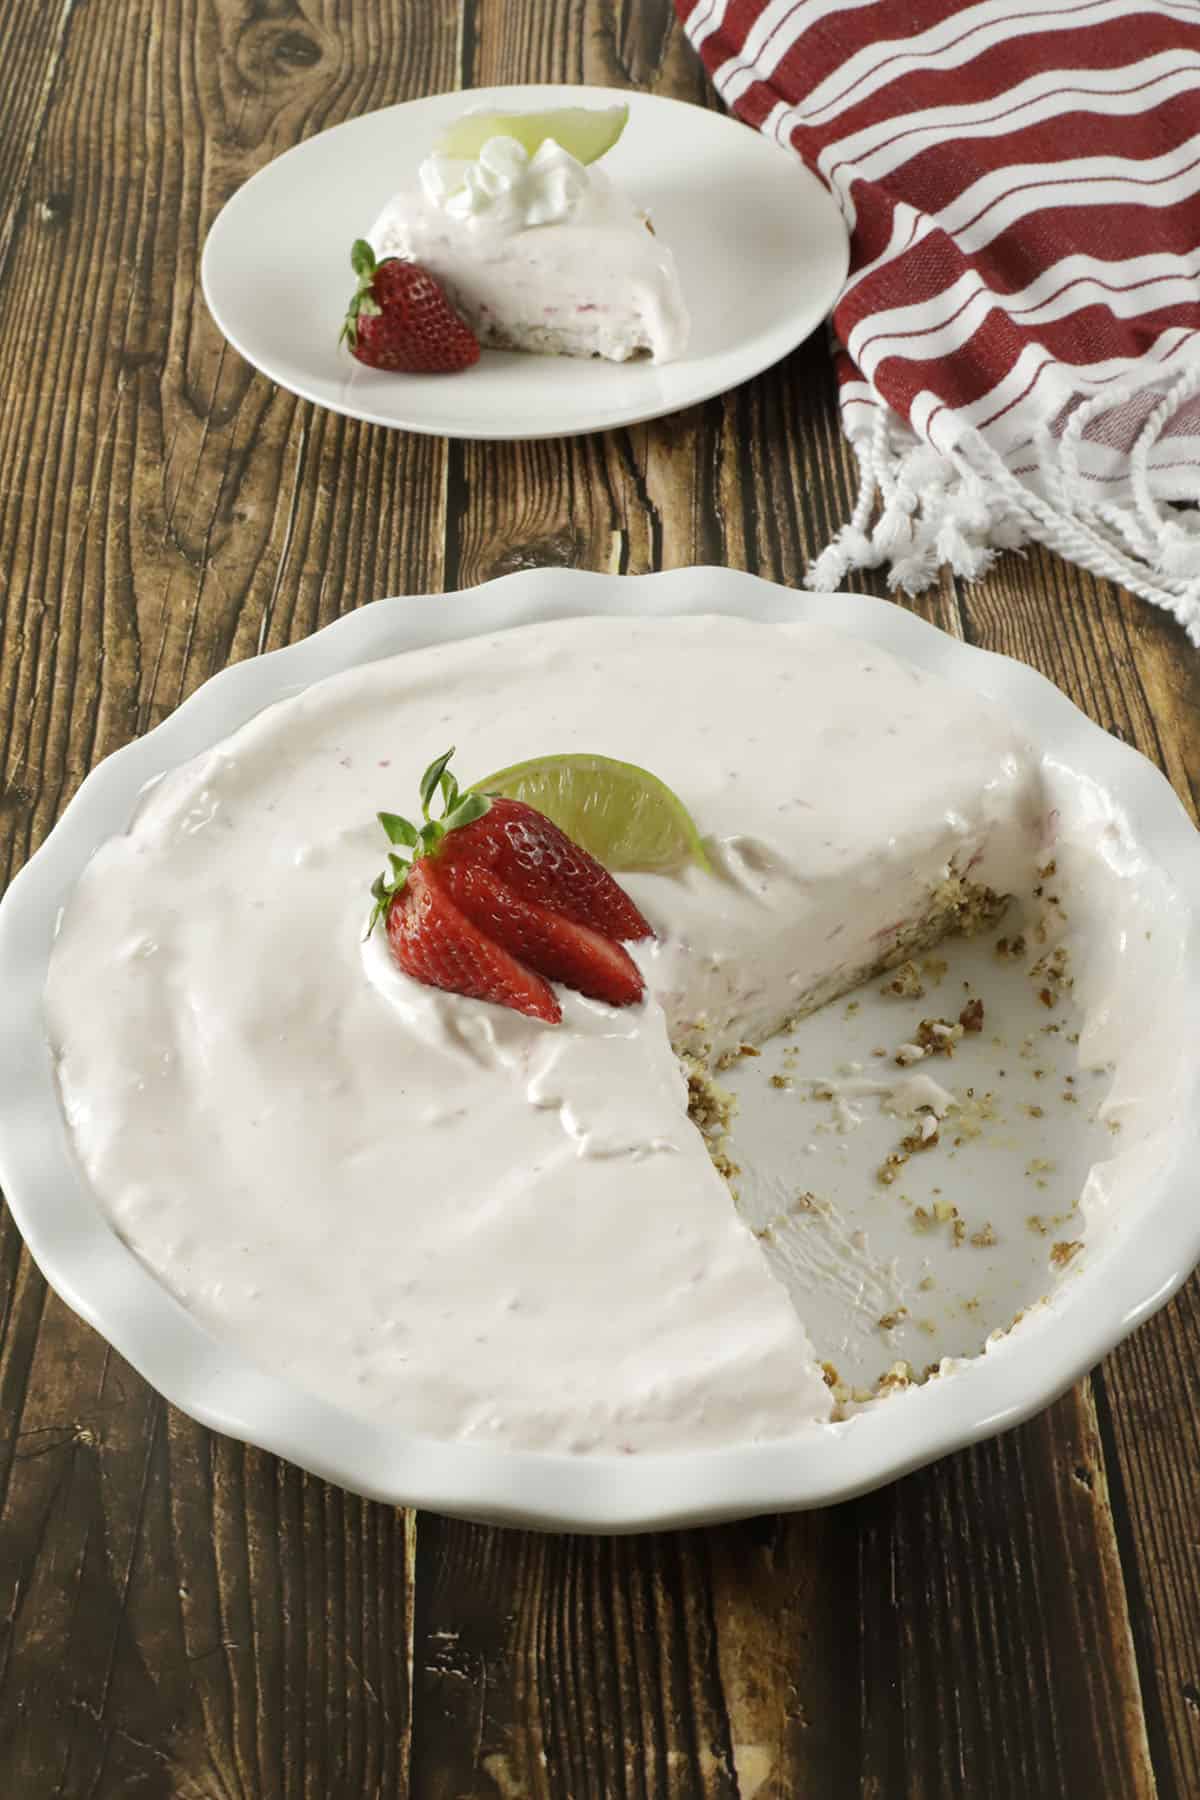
(496, 902)
(400, 319)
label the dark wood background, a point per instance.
(182, 1616)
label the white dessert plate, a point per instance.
(761, 247)
(1142, 1256)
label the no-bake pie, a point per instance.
(442, 1213)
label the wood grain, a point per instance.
(183, 1616)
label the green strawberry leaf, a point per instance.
(458, 809)
(399, 830)
(469, 808)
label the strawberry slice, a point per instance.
(494, 901)
(556, 946)
(541, 863)
(435, 942)
(399, 318)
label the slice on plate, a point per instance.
(533, 243)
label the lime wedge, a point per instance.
(626, 817)
(584, 132)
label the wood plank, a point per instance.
(181, 1607)
(561, 1666)
(788, 1652)
(996, 1644)
(916, 1660)
(33, 43)
(1151, 1432)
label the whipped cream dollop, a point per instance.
(506, 188)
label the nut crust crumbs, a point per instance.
(709, 1106)
(926, 1133)
(971, 1016)
(1052, 973)
(937, 1037)
(906, 983)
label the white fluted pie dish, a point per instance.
(1138, 1215)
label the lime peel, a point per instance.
(621, 814)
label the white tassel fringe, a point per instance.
(919, 510)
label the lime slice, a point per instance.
(626, 817)
(584, 132)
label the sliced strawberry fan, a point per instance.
(495, 902)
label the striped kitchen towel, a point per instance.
(1019, 334)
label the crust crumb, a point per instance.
(895, 1379)
(906, 983)
(937, 1037)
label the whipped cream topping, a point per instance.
(505, 188)
(440, 1214)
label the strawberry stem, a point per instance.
(458, 809)
(363, 302)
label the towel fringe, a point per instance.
(919, 509)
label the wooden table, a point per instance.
(182, 1616)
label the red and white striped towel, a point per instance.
(1019, 334)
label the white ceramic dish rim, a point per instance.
(103, 1281)
(715, 374)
